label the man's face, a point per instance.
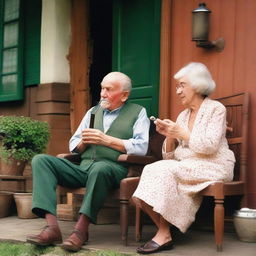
(113, 94)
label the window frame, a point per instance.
(18, 94)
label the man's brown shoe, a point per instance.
(50, 235)
(75, 241)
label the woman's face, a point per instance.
(186, 93)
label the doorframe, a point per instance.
(79, 58)
(165, 59)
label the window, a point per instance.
(32, 38)
(20, 22)
(10, 80)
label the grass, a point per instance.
(24, 249)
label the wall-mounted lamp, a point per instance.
(200, 29)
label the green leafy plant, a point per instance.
(22, 137)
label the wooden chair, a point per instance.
(237, 127)
(237, 122)
(127, 185)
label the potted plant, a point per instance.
(21, 139)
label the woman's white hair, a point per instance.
(198, 76)
(118, 77)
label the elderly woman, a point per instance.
(195, 154)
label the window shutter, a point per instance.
(32, 42)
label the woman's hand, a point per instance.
(170, 129)
(164, 126)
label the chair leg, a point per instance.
(124, 220)
(138, 226)
(219, 223)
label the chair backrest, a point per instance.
(237, 130)
(155, 142)
(154, 150)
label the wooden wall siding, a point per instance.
(53, 106)
(79, 62)
(50, 103)
(22, 108)
(233, 69)
(53, 92)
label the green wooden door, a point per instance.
(136, 48)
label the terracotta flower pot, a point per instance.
(6, 199)
(12, 167)
(23, 203)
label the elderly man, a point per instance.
(119, 127)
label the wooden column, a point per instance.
(165, 59)
(79, 62)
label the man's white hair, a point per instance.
(118, 77)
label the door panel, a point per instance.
(136, 42)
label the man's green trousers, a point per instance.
(98, 177)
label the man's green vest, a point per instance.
(122, 128)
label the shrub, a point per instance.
(22, 137)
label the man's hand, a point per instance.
(96, 137)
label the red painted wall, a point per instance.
(233, 69)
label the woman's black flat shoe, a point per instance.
(151, 247)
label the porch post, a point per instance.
(79, 62)
(165, 59)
